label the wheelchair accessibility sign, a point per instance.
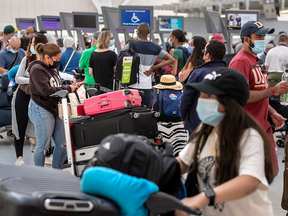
(134, 17)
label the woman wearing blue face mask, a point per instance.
(102, 62)
(229, 151)
(21, 99)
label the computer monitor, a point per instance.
(235, 19)
(132, 16)
(24, 23)
(50, 23)
(170, 23)
(85, 20)
(213, 18)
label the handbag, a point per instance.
(76, 102)
(25, 88)
(191, 183)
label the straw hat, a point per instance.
(168, 82)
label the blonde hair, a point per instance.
(103, 39)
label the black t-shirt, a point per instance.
(103, 64)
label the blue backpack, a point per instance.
(168, 104)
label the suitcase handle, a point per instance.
(105, 104)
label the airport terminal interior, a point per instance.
(129, 107)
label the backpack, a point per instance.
(168, 104)
(134, 156)
(134, 76)
(186, 53)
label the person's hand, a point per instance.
(278, 120)
(78, 84)
(181, 75)
(281, 88)
(73, 87)
(74, 80)
(149, 72)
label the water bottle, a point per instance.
(284, 97)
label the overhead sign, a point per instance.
(134, 17)
(51, 23)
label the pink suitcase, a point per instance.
(108, 102)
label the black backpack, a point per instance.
(134, 156)
(134, 77)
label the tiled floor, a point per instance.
(7, 155)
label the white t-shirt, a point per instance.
(251, 163)
(277, 59)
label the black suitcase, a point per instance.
(38, 191)
(5, 116)
(3, 99)
(139, 121)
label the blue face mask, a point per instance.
(207, 110)
(259, 46)
(32, 49)
(170, 42)
(13, 51)
(112, 42)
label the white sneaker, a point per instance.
(20, 161)
(48, 160)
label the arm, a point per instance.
(83, 61)
(20, 76)
(169, 60)
(2, 70)
(175, 67)
(280, 88)
(234, 189)
(41, 83)
(183, 167)
(90, 71)
(277, 119)
(184, 74)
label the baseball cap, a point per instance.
(224, 81)
(30, 29)
(96, 35)
(16, 30)
(256, 28)
(8, 29)
(218, 37)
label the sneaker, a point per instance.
(48, 160)
(20, 161)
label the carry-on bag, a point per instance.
(174, 133)
(284, 202)
(127, 98)
(39, 191)
(139, 121)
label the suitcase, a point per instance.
(3, 99)
(139, 121)
(5, 116)
(175, 134)
(82, 156)
(38, 191)
(112, 101)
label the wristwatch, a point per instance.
(209, 192)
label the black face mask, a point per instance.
(55, 64)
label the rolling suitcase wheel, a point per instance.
(280, 143)
(135, 115)
(156, 114)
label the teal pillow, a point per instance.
(130, 193)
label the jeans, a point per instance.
(47, 126)
(146, 98)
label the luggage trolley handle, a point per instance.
(161, 203)
(63, 95)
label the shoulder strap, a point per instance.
(14, 60)
(26, 64)
(69, 61)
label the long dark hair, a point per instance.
(231, 130)
(199, 46)
(38, 39)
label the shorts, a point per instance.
(274, 157)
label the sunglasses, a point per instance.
(261, 65)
